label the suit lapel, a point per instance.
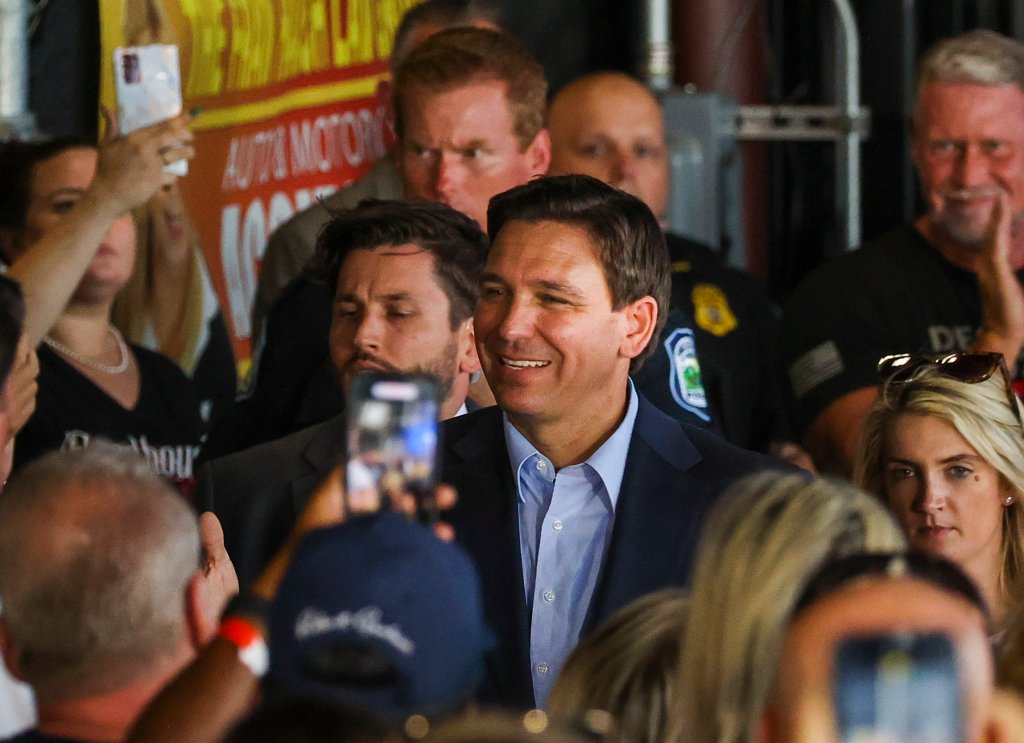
(486, 524)
(655, 525)
(321, 455)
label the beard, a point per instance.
(442, 368)
(968, 227)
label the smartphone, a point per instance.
(391, 441)
(897, 688)
(147, 82)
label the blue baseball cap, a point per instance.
(380, 613)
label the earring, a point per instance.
(1008, 500)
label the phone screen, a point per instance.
(899, 688)
(391, 443)
(147, 83)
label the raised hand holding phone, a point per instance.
(391, 444)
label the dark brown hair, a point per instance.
(631, 246)
(456, 242)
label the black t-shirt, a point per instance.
(729, 319)
(896, 294)
(70, 409)
(215, 377)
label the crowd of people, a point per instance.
(634, 543)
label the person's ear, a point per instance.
(200, 618)
(538, 154)
(469, 359)
(641, 318)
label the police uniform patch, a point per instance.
(685, 382)
(711, 310)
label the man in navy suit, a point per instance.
(576, 495)
(404, 280)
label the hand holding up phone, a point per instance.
(329, 505)
(131, 167)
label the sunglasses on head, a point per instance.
(967, 367)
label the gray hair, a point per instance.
(768, 535)
(982, 415)
(978, 57)
(96, 552)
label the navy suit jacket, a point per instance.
(674, 475)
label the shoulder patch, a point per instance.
(685, 382)
(711, 310)
(818, 365)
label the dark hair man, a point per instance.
(404, 278)
(573, 290)
(950, 281)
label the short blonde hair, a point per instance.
(628, 667)
(769, 534)
(981, 414)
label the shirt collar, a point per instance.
(609, 461)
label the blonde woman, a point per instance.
(629, 667)
(169, 304)
(768, 536)
(943, 446)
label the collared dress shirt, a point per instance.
(565, 524)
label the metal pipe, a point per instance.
(848, 146)
(657, 66)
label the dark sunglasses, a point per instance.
(967, 367)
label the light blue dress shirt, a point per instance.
(565, 524)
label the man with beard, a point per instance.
(405, 286)
(949, 282)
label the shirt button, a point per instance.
(542, 465)
(542, 668)
(549, 595)
(557, 524)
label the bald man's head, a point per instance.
(609, 126)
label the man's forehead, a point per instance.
(606, 98)
(408, 260)
(885, 605)
(544, 253)
(941, 103)
(480, 86)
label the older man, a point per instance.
(576, 494)
(103, 597)
(951, 280)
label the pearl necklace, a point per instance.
(117, 368)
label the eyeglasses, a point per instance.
(967, 367)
